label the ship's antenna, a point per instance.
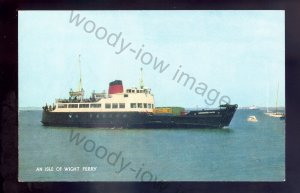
(141, 80)
(80, 80)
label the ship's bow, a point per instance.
(227, 114)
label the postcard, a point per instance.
(151, 95)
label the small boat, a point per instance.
(276, 114)
(253, 107)
(252, 119)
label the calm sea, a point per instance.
(245, 151)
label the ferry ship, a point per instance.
(129, 108)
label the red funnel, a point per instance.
(115, 87)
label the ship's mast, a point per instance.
(80, 80)
(141, 80)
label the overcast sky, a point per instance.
(239, 54)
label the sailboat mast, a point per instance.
(277, 98)
(268, 95)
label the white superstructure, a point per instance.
(130, 100)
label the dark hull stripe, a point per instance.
(218, 119)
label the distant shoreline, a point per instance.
(30, 108)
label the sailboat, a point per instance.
(276, 114)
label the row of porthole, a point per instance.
(103, 116)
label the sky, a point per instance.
(237, 54)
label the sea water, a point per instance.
(245, 151)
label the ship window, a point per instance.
(125, 95)
(122, 105)
(152, 106)
(62, 105)
(145, 105)
(83, 105)
(140, 105)
(107, 105)
(73, 106)
(128, 90)
(95, 105)
(137, 91)
(115, 105)
(149, 106)
(133, 91)
(133, 105)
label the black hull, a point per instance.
(195, 119)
